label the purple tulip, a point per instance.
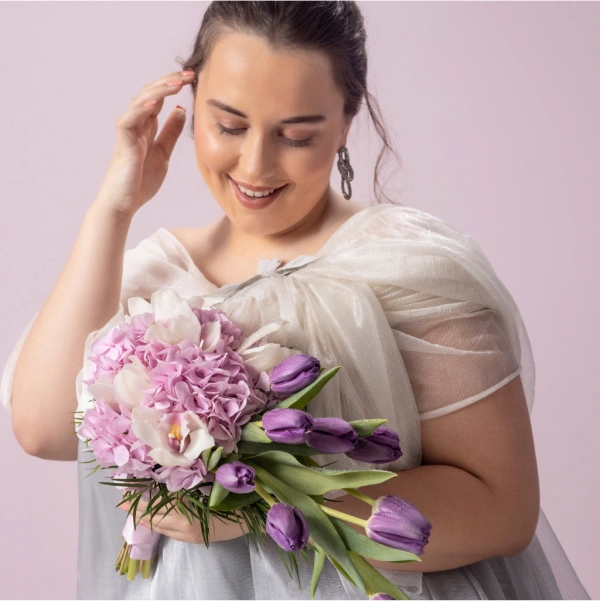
(236, 477)
(380, 596)
(287, 526)
(294, 373)
(382, 446)
(396, 523)
(286, 425)
(331, 435)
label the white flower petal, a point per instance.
(158, 332)
(135, 361)
(167, 303)
(184, 327)
(267, 356)
(167, 459)
(102, 392)
(200, 440)
(137, 305)
(129, 383)
(256, 336)
(212, 335)
(144, 424)
(198, 302)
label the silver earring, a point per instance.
(346, 171)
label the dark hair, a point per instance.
(334, 28)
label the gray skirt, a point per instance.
(236, 569)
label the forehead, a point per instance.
(244, 71)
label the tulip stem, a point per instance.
(264, 494)
(360, 495)
(344, 516)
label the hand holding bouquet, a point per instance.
(196, 418)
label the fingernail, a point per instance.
(180, 107)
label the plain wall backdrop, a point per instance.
(494, 111)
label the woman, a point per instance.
(407, 305)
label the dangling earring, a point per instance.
(346, 170)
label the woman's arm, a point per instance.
(478, 485)
(83, 299)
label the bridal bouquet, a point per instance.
(193, 416)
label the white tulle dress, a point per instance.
(395, 297)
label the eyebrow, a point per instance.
(299, 119)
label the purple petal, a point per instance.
(331, 435)
(301, 381)
(396, 523)
(286, 425)
(382, 446)
(287, 526)
(236, 477)
(290, 367)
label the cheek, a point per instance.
(211, 150)
(309, 164)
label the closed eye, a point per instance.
(238, 131)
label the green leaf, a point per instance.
(341, 570)
(322, 531)
(214, 458)
(317, 569)
(365, 427)
(234, 501)
(254, 433)
(304, 396)
(230, 457)
(318, 481)
(364, 546)
(217, 494)
(205, 455)
(376, 580)
(128, 486)
(257, 448)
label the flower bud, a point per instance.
(236, 477)
(396, 523)
(286, 425)
(287, 526)
(382, 446)
(380, 596)
(331, 435)
(294, 373)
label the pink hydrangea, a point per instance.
(187, 477)
(111, 351)
(217, 386)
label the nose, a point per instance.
(258, 159)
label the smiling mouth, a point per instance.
(256, 197)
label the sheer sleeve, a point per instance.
(455, 360)
(8, 373)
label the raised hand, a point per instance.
(140, 159)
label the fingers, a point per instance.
(158, 516)
(168, 136)
(165, 86)
(157, 91)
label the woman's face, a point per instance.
(267, 88)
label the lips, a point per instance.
(256, 203)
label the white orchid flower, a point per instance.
(177, 439)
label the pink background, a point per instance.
(494, 107)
